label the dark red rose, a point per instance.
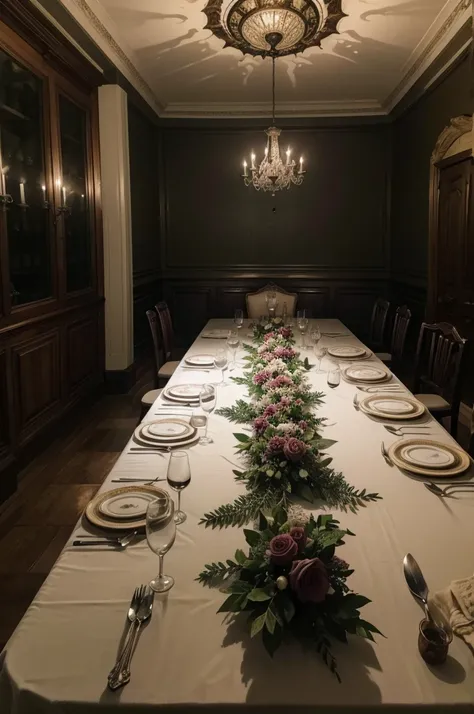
(283, 549)
(294, 449)
(299, 536)
(309, 580)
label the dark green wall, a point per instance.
(414, 138)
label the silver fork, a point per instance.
(131, 617)
(402, 430)
(144, 613)
(438, 491)
(121, 543)
(384, 453)
(355, 402)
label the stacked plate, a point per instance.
(391, 406)
(364, 374)
(429, 458)
(349, 352)
(123, 508)
(167, 433)
(187, 394)
(204, 360)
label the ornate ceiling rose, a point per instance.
(248, 25)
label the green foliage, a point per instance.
(244, 509)
(240, 413)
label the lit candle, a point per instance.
(22, 192)
(301, 164)
(82, 201)
(266, 151)
(64, 195)
(245, 168)
(253, 160)
(43, 188)
(288, 152)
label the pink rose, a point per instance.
(268, 336)
(294, 449)
(299, 536)
(285, 332)
(261, 377)
(283, 549)
(270, 410)
(303, 425)
(260, 424)
(309, 580)
(276, 444)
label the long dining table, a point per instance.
(188, 656)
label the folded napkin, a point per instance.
(456, 602)
(215, 334)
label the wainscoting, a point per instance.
(350, 297)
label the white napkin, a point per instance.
(215, 334)
(457, 604)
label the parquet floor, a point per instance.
(54, 488)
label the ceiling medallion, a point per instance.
(247, 24)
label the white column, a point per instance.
(117, 227)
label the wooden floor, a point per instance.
(53, 491)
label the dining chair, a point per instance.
(147, 401)
(164, 367)
(401, 323)
(257, 302)
(440, 370)
(378, 322)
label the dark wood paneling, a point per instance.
(338, 218)
(37, 376)
(4, 422)
(146, 293)
(193, 301)
(82, 352)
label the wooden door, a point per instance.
(454, 248)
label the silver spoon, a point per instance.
(402, 430)
(384, 453)
(355, 402)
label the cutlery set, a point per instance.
(446, 491)
(119, 543)
(140, 610)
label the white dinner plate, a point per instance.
(347, 352)
(184, 391)
(392, 406)
(94, 514)
(366, 374)
(142, 437)
(126, 506)
(431, 456)
(203, 360)
(461, 459)
(168, 430)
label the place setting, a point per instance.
(164, 434)
(349, 352)
(370, 377)
(428, 457)
(390, 407)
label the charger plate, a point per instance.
(94, 514)
(412, 410)
(366, 373)
(461, 463)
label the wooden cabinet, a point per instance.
(51, 303)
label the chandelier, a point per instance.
(273, 174)
(246, 24)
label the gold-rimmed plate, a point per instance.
(167, 430)
(392, 406)
(461, 459)
(366, 373)
(347, 352)
(95, 515)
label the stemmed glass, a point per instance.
(233, 343)
(302, 322)
(178, 477)
(207, 400)
(315, 336)
(160, 534)
(271, 300)
(320, 353)
(238, 318)
(220, 362)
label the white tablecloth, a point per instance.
(59, 656)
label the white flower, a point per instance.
(286, 427)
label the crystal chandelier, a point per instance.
(273, 174)
(246, 24)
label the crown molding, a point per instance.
(450, 20)
(183, 110)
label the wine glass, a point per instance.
(302, 322)
(220, 362)
(315, 335)
(178, 477)
(334, 375)
(233, 343)
(238, 318)
(207, 400)
(320, 353)
(160, 534)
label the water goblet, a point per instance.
(334, 375)
(160, 535)
(320, 353)
(207, 400)
(233, 343)
(220, 362)
(238, 318)
(178, 477)
(303, 323)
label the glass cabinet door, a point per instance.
(74, 195)
(23, 182)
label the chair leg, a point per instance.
(454, 423)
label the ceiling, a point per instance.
(382, 47)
